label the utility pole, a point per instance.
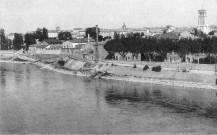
(96, 46)
(1, 40)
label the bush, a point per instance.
(207, 60)
(158, 58)
(61, 62)
(156, 69)
(134, 66)
(184, 70)
(146, 67)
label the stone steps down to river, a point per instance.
(74, 64)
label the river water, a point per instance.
(39, 101)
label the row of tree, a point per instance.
(152, 48)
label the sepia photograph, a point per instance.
(126, 67)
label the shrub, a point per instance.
(134, 66)
(156, 69)
(146, 67)
(207, 60)
(61, 62)
(184, 70)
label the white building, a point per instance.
(202, 14)
(11, 36)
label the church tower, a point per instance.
(202, 14)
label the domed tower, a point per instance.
(124, 26)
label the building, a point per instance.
(11, 36)
(186, 34)
(54, 33)
(48, 46)
(78, 33)
(124, 31)
(156, 30)
(202, 14)
(171, 35)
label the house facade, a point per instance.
(48, 46)
(10, 36)
(186, 34)
(53, 34)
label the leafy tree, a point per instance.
(41, 34)
(18, 41)
(116, 35)
(92, 32)
(2, 37)
(29, 39)
(211, 33)
(65, 36)
(183, 48)
(5, 42)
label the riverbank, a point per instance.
(122, 72)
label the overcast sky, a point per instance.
(27, 15)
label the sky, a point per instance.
(27, 15)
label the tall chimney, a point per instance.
(88, 38)
(0, 42)
(96, 46)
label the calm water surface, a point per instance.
(38, 101)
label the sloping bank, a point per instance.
(191, 79)
(123, 72)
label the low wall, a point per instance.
(4, 54)
(175, 66)
(48, 51)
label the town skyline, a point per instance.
(28, 15)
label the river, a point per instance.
(39, 101)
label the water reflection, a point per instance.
(175, 99)
(3, 78)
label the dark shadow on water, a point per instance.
(115, 96)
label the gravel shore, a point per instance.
(161, 82)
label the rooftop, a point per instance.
(53, 41)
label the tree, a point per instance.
(2, 38)
(29, 39)
(18, 41)
(92, 33)
(65, 36)
(116, 35)
(183, 47)
(5, 42)
(211, 33)
(41, 34)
